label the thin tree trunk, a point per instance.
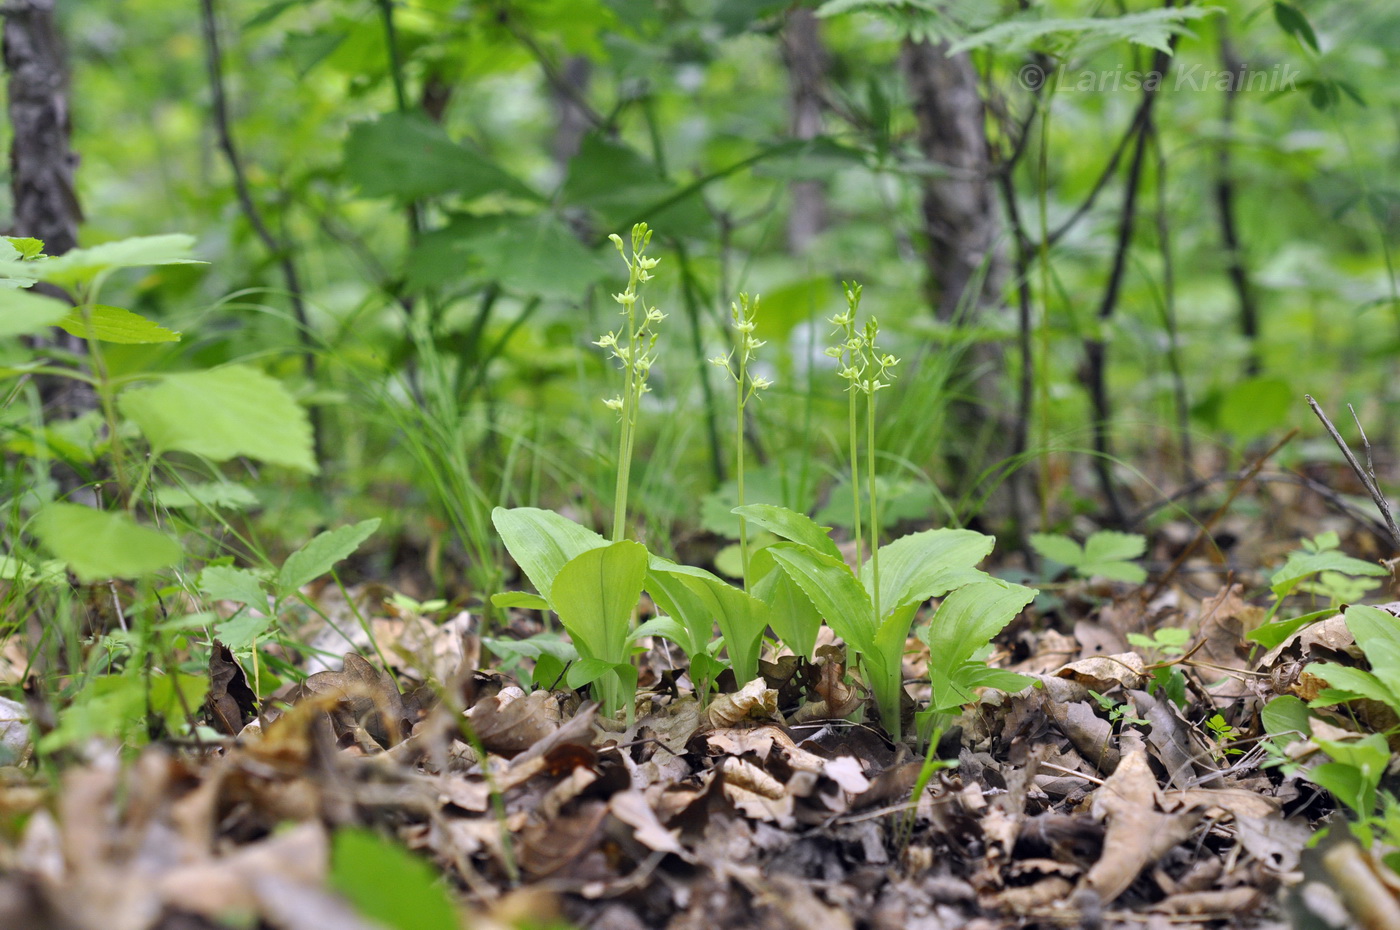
(806, 60)
(1225, 197)
(965, 267)
(42, 166)
(959, 209)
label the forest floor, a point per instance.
(1091, 800)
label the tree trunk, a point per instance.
(42, 165)
(806, 60)
(959, 209)
(965, 267)
(41, 160)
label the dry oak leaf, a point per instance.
(1137, 834)
(511, 722)
(1103, 673)
(754, 700)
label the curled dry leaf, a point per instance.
(1137, 834)
(754, 701)
(511, 722)
(1104, 673)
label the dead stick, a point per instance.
(1367, 478)
(1220, 512)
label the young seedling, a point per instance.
(1105, 554)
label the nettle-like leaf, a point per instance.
(98, 545)
(1152, 28)
(1302, 565)
(113, 324)
(321, 554)
(223, 413)
(408, 157)
(226, 583)
(81, 265)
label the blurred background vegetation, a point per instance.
(1102, 291)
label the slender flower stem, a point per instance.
(874, 505)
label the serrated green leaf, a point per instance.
(318, 556)
(226, 583)
(789, 524)
(1152, 28)
(389, 884)
(223, 413)
(79, 265)
(98, 545)
(23, 312)
(222, 494)
(919, 566)
(838, 596)
(25, 247)
(242, 630)
(113, 324)
(966, 621)
(408, 157)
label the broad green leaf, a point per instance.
(1286, 719)
(676, 598)
(542, 644)
(23, 312)
(80, 265)
(1114, 571)
(966, 621)
(1300, 565)
(319, 555)
(832, 589)
(242, 630)
(542, 541)
(1057, 548)
(789, 524)
(408, 157)
(223, 413)
(741, 618)
(1270, 635)
(109, 705)
(389, 884)
(1378, 634)
(919, 566)
(1111, 546)
(524, 254)
(667, 627)
(226, 583)
(98, 545)
(790, 612)
(222, 494)
(113, 324)
(588, 670)
(1153, 28)
(1355, 681)
(519, 599)
(594, 594)
(1255, 407)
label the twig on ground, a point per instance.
(1367, 474)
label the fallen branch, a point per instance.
(1367, 474)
